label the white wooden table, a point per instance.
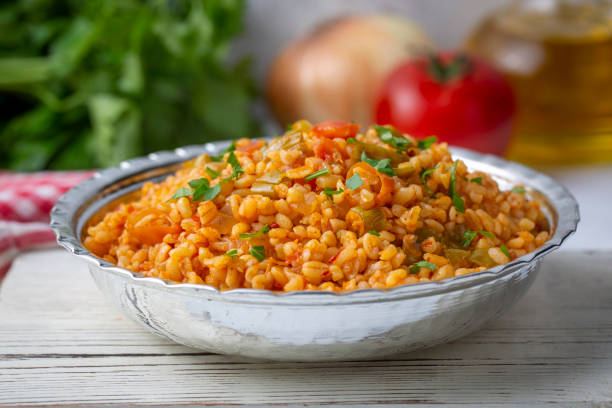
(61, 343)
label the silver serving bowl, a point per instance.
(307, 325)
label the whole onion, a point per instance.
(336, 70)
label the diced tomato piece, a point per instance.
(327, 150)
(313, 184)
(252, 146)
(150, 226)
(336, 128)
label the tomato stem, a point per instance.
(443, 72)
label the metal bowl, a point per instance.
(308, 325)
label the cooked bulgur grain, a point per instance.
(320, 208)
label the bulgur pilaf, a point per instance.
(321, 208)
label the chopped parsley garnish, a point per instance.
(263, 230)
(468, 236)
(383, 166)
(504, 249)
(427, 142)
(218, 158)
(212, 173)
(386, 135)
(375, 233)
(182, 192)
(232, 253)
(197, 183)
(422, 264)
(233, 161)
(452, 191)
(354, 182)
(519, 190)
(289, 127)
(200, 190)
(486, 234)
(351, 140)
(330, 192)
(259, 252)
(316, 174)
(425, 174)
(477, 180)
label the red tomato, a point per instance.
(459, 99)
(336, 128)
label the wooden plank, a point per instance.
(62, 343)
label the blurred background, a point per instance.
(273, 24)
(86, 84)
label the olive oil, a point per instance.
(557, 56)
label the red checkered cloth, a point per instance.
(25, 202)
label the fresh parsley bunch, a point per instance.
(90, 83)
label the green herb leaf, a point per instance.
(229, 149)
(232, 253)
(316, 174)
(422, 264)
(504, 249)
(289, 127)
(518, 190)
(386, 135)
(354, 182)
(375, 233)
(330, 192)
(233, 161)
(477, 180)
(425, 264)
(259, 252)
(212, 173)
(458, 202)
(427, 142)
(384, 165)
(202, 190)
(197, 183)
(425, 174)
(211, 193)
(263, 230)
(182, 192)
(486, 234)
(351, 140)
(468, 236)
